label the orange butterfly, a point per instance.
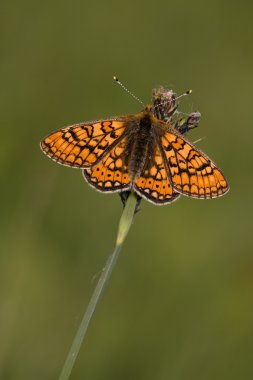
(145, 152)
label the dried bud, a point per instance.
(184, 124)
(164, 103)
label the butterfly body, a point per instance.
(139, 145)
(145, 152)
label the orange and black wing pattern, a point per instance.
(153, 183)
(83, 145)
(191, 172)
(111, 173)
(140, 153)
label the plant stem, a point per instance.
(124, 226)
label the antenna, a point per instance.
(188, 92)
(129, 92)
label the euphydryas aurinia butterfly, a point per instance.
(145, 152)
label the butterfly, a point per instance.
(145, 152)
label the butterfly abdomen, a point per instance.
(139, 143)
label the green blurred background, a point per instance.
(180, 302)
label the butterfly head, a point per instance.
(148, 108)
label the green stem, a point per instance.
(124, 225)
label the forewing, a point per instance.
(110, 174)
(191, 171)
(153, 183)
(83, 145)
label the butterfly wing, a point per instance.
(153, 183)
(111, 173)
(83, 145)
(192, 173)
